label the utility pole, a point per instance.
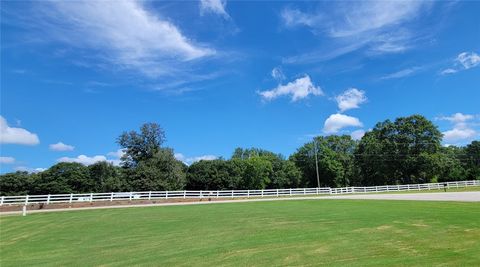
(316, 162)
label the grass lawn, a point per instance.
(297, 232)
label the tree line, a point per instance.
(406, 150)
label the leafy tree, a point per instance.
(256, 173)
(241, 153)
(335, 158)
(472, 160)
(141, 145)
(107, 177)
(398, 152)
(65, 177)
(208, 175)
(285, 175)
(160, 172)
(16, 183)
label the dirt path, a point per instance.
(453, 196)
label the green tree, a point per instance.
(65, 177)
(16, 183)
(160, 172)
(398, 152)
(285, 174)
(209, 175)
(335, 160)
(256, 173)
(141, 145)
(472, 160)
(107, 178)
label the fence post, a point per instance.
(277, 192)
(232, 193)
(304, 191)
(166, 194)
(71, 198)
(91, 197)
(217, 193)
(1, 200)
(248, 193)
(26, 200)
(262, 192)
(48, 199)
(149, 195)
(317, 190)
(290, 191)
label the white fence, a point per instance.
(156, 195)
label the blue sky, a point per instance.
(223, 74)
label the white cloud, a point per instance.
(458, 134)
(86, 160)
(350, 99)
(457, 117)
(379, 27)
(190, 160)
(464, 61)
(357, 134)
(124, 33)
(336, 122)
(468, 59)
(61, 147)
(12, 135)
(448, 71)
(462, 130)
(295, 17)
(7, 160)
(277, 74)
(117, 154)
(402, 73)
(215, 7)
(298, 89)
(361, 17)
(27, 169)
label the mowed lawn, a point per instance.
(296, 232)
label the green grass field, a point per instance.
(300, 232)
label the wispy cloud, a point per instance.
(299, 89)
(215, 7)
(125, 34)
(350, 99)
(378, 27)
(7, 160)
(14, 135)
(277, 74)
(464, 61)
(402, 73)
